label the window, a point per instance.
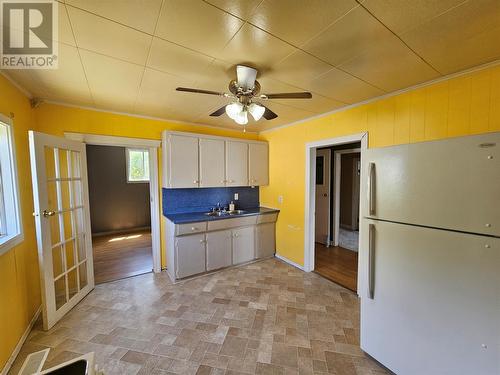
(10, 219)
(137, 165)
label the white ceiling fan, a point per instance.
(245, 92)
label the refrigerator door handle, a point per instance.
(371, 260)
(371, 188)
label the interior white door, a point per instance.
(62, 219)
(236, 163)
(322, 217)
(258, 164)
(183, 162)
(435, 305)
(212, 163)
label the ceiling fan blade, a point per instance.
(199, 91)
(288, 95)
(246, 77)
(268, 114)
(219, 112)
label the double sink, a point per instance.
(225, 213)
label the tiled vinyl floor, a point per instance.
(263, 318)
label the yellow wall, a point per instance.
(464, 105)
(19, 280)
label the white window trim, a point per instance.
(127, 153)
(12, 239)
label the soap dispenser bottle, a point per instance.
(231, 206)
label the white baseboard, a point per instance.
(20, 343)
(286, 260)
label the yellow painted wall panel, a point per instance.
(480, 102)
(436, 111)
(19, 279)
(459, 106)
(494, 121)
(417, 116)
(402, 119)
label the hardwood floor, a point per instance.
(119, 256)
(337, 264)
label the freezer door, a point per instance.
(435, 306)
(452, 184)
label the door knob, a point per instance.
(46, 213)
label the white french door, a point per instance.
(61, 203)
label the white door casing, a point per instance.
(62, 221)
(323, 187)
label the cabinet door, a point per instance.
(236, 163)
(218, 249)
(183, 162)
(265, 240)
(258, 164)
(189, 255)
(211, 163)
(243, 245)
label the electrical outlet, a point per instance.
(280, 199)
(236, 196)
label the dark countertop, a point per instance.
(192, 217)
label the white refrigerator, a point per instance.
(430, 256)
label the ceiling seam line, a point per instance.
(400, 39)
(79, 55)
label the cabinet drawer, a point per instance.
(232, 223)
(189, 228)
(267, 218)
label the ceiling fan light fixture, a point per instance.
(234, 109)
(242, 118)
(256, 111)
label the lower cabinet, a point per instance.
(243, 245)
(265, 240)
(218, 249)
(190, 255)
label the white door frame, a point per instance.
(337, 155)
(329, 196)
(152, 146)
(310, 189)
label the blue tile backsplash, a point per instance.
(203, 199)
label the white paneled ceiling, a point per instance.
(130, 55)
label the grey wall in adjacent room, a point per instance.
(115, 205)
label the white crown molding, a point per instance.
(16, 85)
(161, 119)
(388, 95)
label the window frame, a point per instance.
(10, 204)
(146, 161)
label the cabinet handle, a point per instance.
(203, 241)
(230, 181)
(371, 261)
(223, 181)
(196, 181)
(194, 228)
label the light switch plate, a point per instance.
(280, 199)
(236, 196)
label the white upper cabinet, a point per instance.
(236, 163)
(196, 160)
(258, 164)
(212, 171)
(182, 166)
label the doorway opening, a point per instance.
(333, 192)
(120, 212)
(124, 207)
